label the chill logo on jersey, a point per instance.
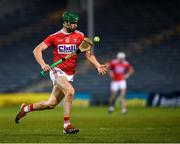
(66, 48)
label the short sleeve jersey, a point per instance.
(118, 69)
(63, 44)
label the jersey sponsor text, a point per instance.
(66, 48)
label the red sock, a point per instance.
(66, 119)
(28, 108)
(31, 107)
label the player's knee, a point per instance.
(70, 94)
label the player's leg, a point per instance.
(122, 97)
(123, 101)
(114, 89)
(56, 96)
(112, 101)
(68, 91)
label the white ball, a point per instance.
(96, 39)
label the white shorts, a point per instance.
(118, 85)
(56, 72)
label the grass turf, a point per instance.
(95, 124)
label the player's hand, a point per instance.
(46, 67)
(126, 76)
(102, 69)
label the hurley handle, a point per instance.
(77, 51)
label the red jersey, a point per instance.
(64, 44)
(118, 69)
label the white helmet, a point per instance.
(121, 55)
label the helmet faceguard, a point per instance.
(69, 18)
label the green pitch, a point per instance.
(95, 124)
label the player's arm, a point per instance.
(129, 72)
(38, 56)
(102, 69)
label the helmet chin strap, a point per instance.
(67, 25)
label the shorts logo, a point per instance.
(66, 48)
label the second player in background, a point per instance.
(120, 70)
